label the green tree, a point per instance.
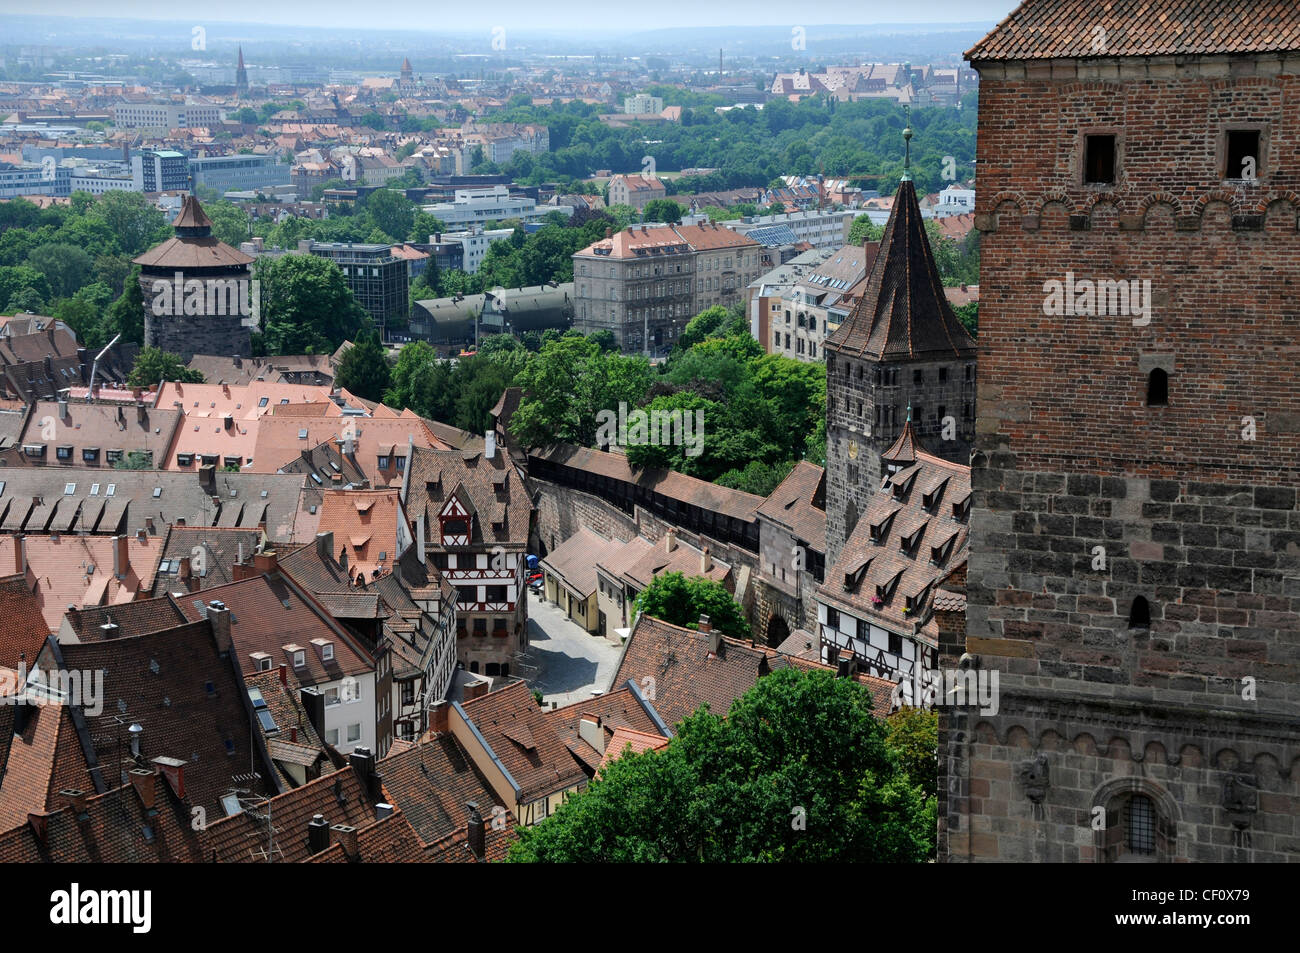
(65, 267)
(863, 230)
(969, 316)
(135, 223)
(913, 735)
(153, 364)
(675, 598)
(392, 213)
(757, 477)
(364, 368)
(307, 305)
(798, 771)
(662, 210)
(25, 282)
(568, 383)
(229, 222)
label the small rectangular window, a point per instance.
(1242, 154)
(1099, 160)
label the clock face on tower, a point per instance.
(853, 449)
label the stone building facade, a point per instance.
(1135, 568)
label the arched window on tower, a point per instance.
(1157, 388)
(1139, 614)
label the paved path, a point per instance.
(569, 661)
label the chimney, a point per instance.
(219, 616)
(473, 690)
(228, 421)
(706, 561)
(208, 478)
(143, 783)
(110, 630)
(363, 766)
(476, 831)
(121, 556)
(141, 415)
(343, 558)
(590, 731)
(185, 570)
(345, 835)
(318, 834)
(313, 703)
(63, 404)
(489, 445)
(324, 545)
(438, 717)
(714, 636)
(383, 810)
(265, 562)
(76, 800)
(20, 555)
(419, 537)
(670, 540)
(173, 771)
(284, 674)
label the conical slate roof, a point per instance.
(903, 312)
(194, 245)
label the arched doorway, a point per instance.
(778, 630)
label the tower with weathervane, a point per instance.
(901, 351)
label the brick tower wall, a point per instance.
(1200, 713)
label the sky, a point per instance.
(529, 14)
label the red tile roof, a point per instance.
(798, 505)
(524, 741)
(1056, 29)
(432, 782)
(23, 628)
(269, 613)
(625, 740)
(364, 523)
(616, 710)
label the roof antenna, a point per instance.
(907, 145)
(909, 412)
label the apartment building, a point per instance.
(635, 190)
(165, 115)
(819, 228)
(801, 314)
(237, 173)
(638, 284)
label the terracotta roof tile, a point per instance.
(1058, 29)
(798, 505)
(525, 742)
(23, 628)
(625, 740)
(364, 522)
(432, 781)
(616, 710)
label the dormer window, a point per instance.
(184, 459)
(383, 463)
(297, 655)
(961, 508)
(325, 647)
(261, 661)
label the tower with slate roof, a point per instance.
(198, 291)
(901, 347)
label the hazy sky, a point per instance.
(528, 14)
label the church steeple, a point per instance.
(241, 74)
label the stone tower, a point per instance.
(1134, 575)
(901, 347)
(407, 75)
(199, 297)
(241, 74)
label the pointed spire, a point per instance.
(907, 146)
(241, 57)
(903, 312)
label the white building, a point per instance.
(475, 241)
(165, 115)
(643, 105)
(494, 204)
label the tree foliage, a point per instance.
(681, 600)
(364, 368)
(800, 770)
(153, 364)
(307, 306)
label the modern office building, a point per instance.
(238, 173)
(160, 171)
